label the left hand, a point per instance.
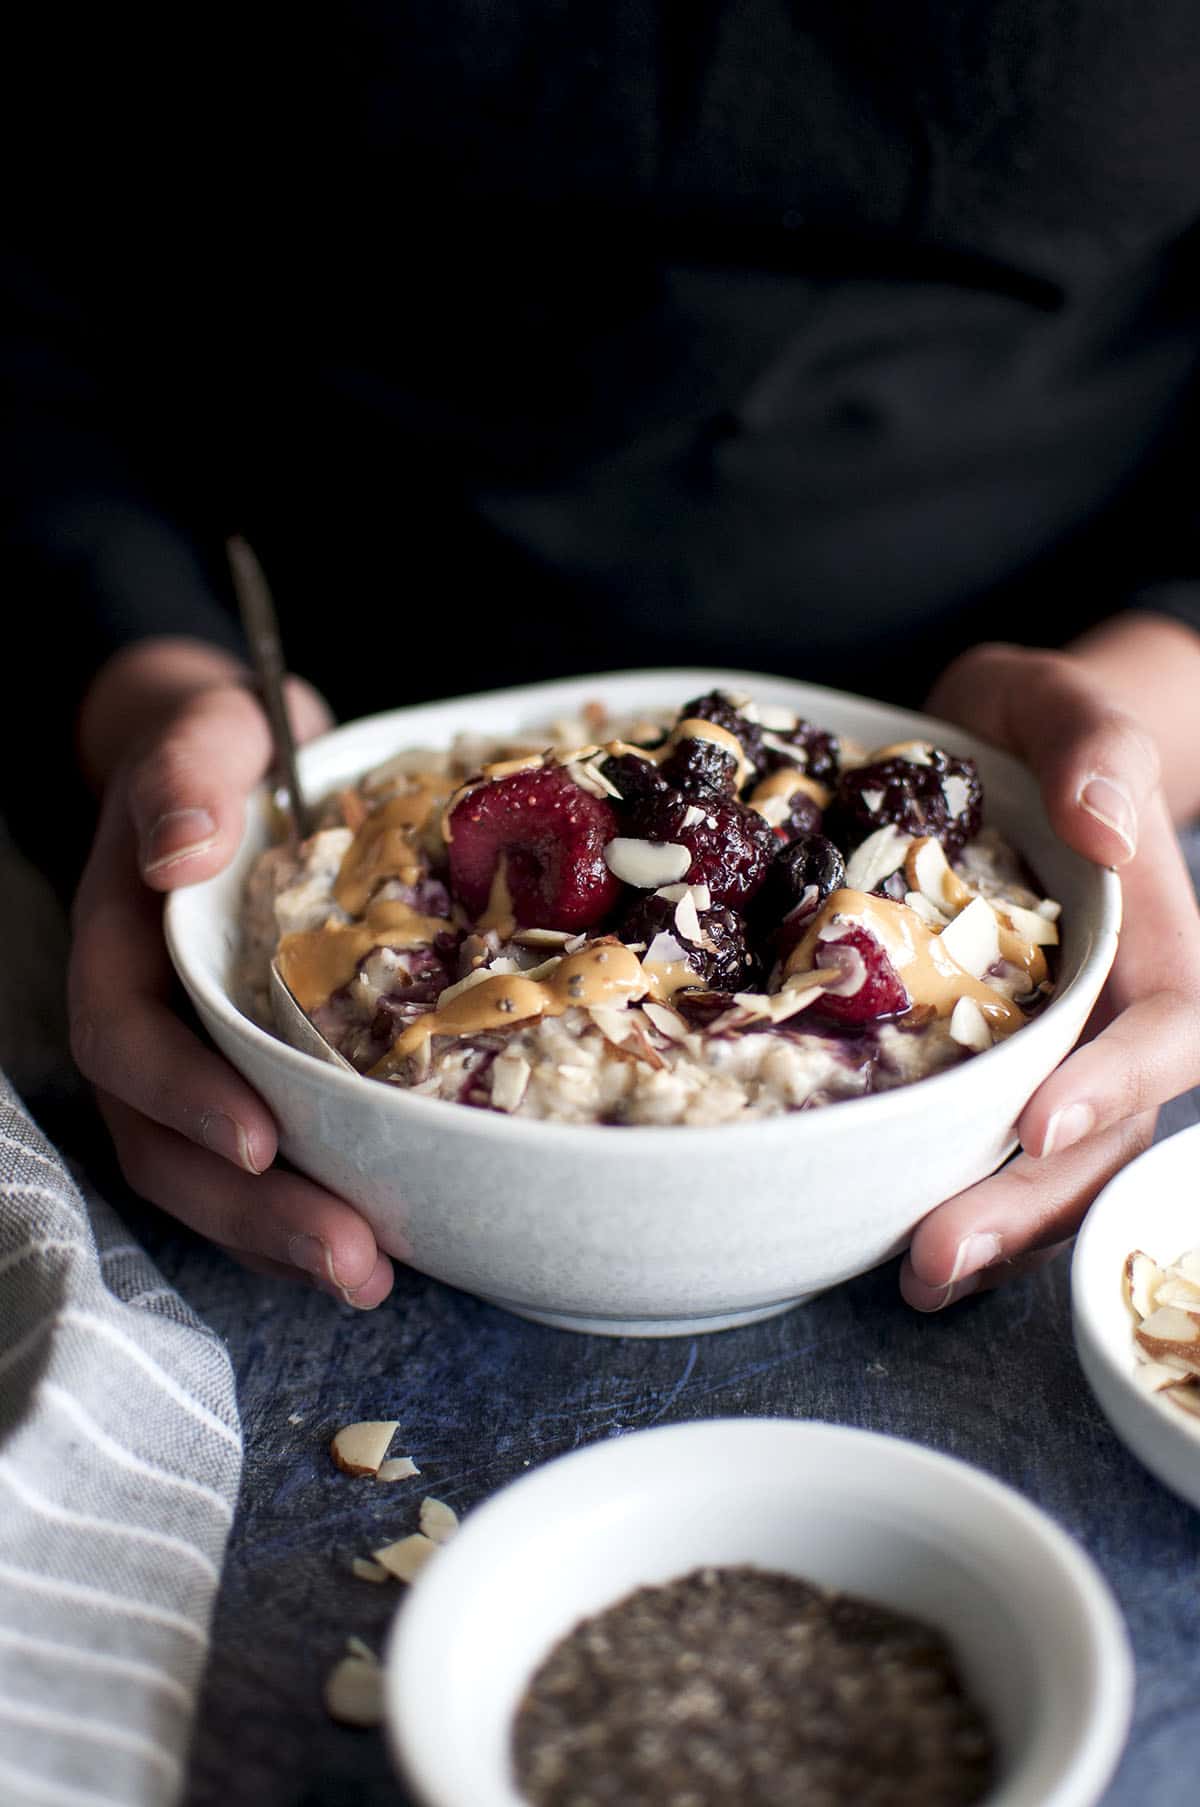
(1099, 770)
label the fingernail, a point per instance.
(974, 1253)
(226, 1137)
(175, 836)
(1066, 1127)
(1109, 803)
(311, 1256)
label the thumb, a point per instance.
(1097, 765)
(187, 791)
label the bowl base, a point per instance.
(699, 1326)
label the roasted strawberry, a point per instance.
(551, 835)
(731, 846)
(874, 988)
(942, 797)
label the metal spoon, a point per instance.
(261, 626)
(298, 1030)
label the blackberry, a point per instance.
(716, 707)
(699, 768)
(943, 798)
(731, 846)
(728, 965)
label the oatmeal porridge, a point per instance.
(716, 916)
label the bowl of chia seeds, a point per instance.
(748, 1613)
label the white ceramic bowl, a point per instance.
(1153, 1204)
(649, 1230)
(1037, 1634)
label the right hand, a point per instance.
(175, 740)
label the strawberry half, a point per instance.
(551, 835)
(879, 991)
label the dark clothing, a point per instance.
(524, 339)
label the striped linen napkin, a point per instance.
(120, 1456)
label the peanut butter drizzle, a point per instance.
(668, 978)
(603, 973)
(1018, 952)
(383, 848)
(924, 967)
(785, 783)
(314, 963)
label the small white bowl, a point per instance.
(1037, 1635)
(644, 1230)
(1153, 1204)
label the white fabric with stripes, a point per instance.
(120, 1455)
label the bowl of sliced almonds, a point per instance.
(1135, 1300)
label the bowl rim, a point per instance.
(855, 1114)
(1109, 1207)
(508, 1520)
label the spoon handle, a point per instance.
(261, 626)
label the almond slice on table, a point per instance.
(363, 1569)
(397, 1468)
(407, 1556)
(439, 1521)
(358, 1449)
(354, 1692)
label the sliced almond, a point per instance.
(881, 854)
(615, 1023)
(930, 873)
(356, 1647)
(972, 940)
(510, 1081)
(1030, 925)
(1170, 1335)
(668, 1022)
(916, 752)
(1142, 1277)
(693, 815)
(776, 718)
(397, 1468)
(359, 1448)
(354, 1692)
(460, 985)
(968, 1026)
(1187, 1397)
(1179, 1293)
(407, 1556)
(957, 793)
(687, 920)
(646, 864)
(664, 950)
(700, 895)
(921, 906)
(439, 1521)
(541, 938)
(1187, 1267)
(1156, 1377)
(363, 1569)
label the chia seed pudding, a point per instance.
(703, 919)
(736, 1687)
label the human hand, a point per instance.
(177, 742)
(1099, 769)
